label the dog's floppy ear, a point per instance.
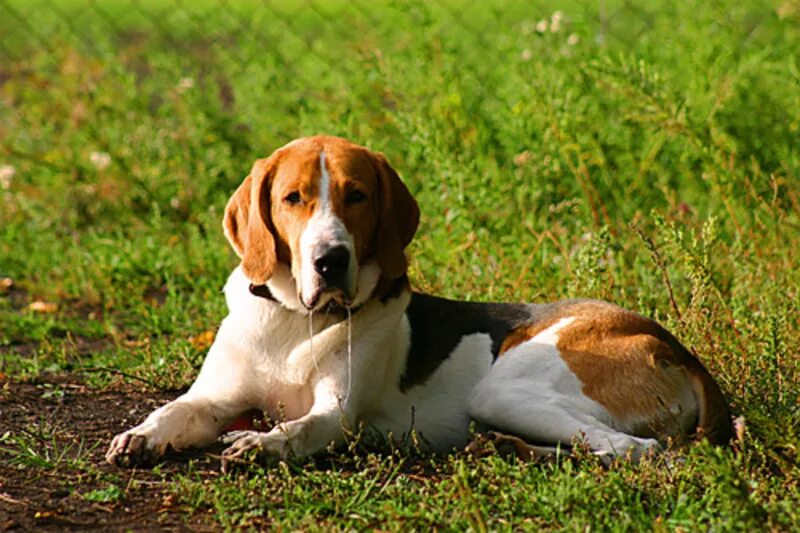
(398, 218)
(248, 222)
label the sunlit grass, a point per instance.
(646, 154)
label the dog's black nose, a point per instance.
(332, 263)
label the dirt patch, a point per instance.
(53, 437)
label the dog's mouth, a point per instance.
(327, 298)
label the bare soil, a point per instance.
(67, 427)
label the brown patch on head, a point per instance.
(294, 195)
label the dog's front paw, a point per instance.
(241, 442)
(273, 443)
(133, 448)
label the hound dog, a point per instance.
(324, 333)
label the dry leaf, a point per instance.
(522, 158)
(5, 284)
(42, 307)
(136, 343)
(168, 501)
(203, 340)
(739, 428)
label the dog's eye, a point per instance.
(293, 198)
(355, 197)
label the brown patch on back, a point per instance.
(625, 366)
(526, 332)
(635, 369)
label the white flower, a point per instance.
(526, 54)
(555, 21)
(100, 160)
(185, 84)
(541, 26)
(6, 173)
(573, 39)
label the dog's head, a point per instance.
(321, 208)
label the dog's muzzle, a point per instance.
(333, 273)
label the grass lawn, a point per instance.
(647, 153)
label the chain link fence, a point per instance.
(207, 25)
(235, 36)
(287, 54)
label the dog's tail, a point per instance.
(714, 419)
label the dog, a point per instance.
(324, 334)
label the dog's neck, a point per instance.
(384, 289)
(257, 318)
(280, 291)
(331, 308)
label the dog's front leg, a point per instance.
(190, 420)
(330, 417)
(197, 418)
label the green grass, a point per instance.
(38, 447)
(648, 154)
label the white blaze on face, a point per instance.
(323, 231)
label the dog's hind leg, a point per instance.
(511, 445)
(531, 393)
(542, 420)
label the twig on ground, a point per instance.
(116, 372)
